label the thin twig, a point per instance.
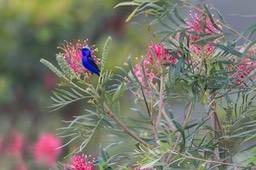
(179, 134)
(209, 161)
(170, 123)
(214, 124)
(160, 103)
(188, 114)
(127, 130)
(112, 115)
(150, 115)
(78, 87)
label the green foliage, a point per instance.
(149, 7)
(52, 67)
(204, 69)
(68, 72)
(83, 128)
(105, 52)
(64, 97)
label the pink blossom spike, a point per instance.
(16, 144)
(139, 74)
(45, 149)
(246, 67)
(73, 55)
(81, 163)
(201, 24)
(159, 55)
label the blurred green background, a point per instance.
(30, 30)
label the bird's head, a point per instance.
(85, 50)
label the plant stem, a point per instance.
(113, 116)
(215, 125)
(150, 115)
(179, 134)
(169, 121)
(75, 85)
(201, 65)
(209, 161)
(160, 103)
(126, 130)
(188, 114)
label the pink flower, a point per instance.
(201, 24)
(73, 55)
(46, 149)
(81, 163)
(149, 75)
(1, 145)
(246, 67)
(158, 54)
(252, 51)
(16, 144)
(21, 167)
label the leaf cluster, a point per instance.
(162, 137)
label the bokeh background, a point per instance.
(30, 30)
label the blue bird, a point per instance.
(88, 61)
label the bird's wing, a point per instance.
(92, 62)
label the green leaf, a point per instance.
(104, 153)
(208, 38)
(178, 15)
(164, 24)
(211, 18)
(65, 66)
(131, 69)
(105, 52)
(125, 72)
(52, 67)
(108, 98)
(132, 14)
(228, 49)
(249, 30)
(84, 127)
(63, 97)
(170, 17)
(220, 16)
(119, 91)
(150, 164)
(126, 4)
(181, 130)
(144, 74)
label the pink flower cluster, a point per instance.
(16, 144)
(14, 148)
(81, 163)
(44, 150)
(246, 67)
(201, 24)
(73, 55)
(158, 54)
(156, 57)
(149, 75)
